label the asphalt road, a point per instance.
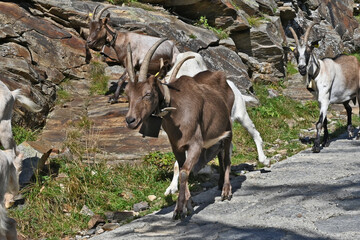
(307, 196)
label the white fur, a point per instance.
(10, 166)
(239, 114)
(7, 100)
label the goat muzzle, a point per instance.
(302, 70)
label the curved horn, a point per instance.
(129, 65)
(295, 36)
(308, 32)
(145, 64)
(102, 11)
(177, 68)
(94, 12)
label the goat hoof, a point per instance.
(179, 215)
(224, 197)
(316, 149)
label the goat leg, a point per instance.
(350, 128)
(114, 99)
(316, 148)
(226, 190)
(184, 196)
(325, 143)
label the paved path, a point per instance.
(307, 196)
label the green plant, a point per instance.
(254, 21)
(53, 203)
(192, 36)
(218, 31)
(22, 134)
(357, 18)
(99, 83)
(291, 69)
(271, 119)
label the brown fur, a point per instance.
(203, 108)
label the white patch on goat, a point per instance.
(9, 178)
(238, 113)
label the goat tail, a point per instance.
(211, 142)
(27, 102)
(3, 220)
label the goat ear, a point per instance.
(288, 49)
(315, 44)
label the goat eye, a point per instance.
(147, 95)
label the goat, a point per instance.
(330, 80)
(101, 34)
(10, 166)
(7, 100)
(238, 113)
(197, 124)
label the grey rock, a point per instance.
(85, 210)
(141, 206)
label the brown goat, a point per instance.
(199, 122)
(101, 34)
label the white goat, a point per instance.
(331, 80)
(7, 100)
(238, 113)
(10, 166)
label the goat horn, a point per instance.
(177, 68)
(308, 32)
(102, 11)
(145, 64)
(129, 65)
(295, 36)
(94, 12)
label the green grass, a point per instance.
(271, 119)
(254, 21)
(22, 134)
(218, 31)
(100, 187)
(291, 69)
(99, 81)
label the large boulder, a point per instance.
(263, 42)
(37, 54)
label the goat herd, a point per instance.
(195, 106)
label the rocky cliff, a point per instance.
(42, 41)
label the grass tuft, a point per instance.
(99, 83)
(218, 31)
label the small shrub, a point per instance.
(218, 31)
(254, 21)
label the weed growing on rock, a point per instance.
(218, 31)
(99, 83)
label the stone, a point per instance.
(120, 216)
(151, 198)
(33, 161)
(85, 210)
(140, 206)
(110, 226)
(94, 221)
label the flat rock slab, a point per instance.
(108, 132)
(307, 196)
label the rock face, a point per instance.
(35, 55)
(42, 42)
